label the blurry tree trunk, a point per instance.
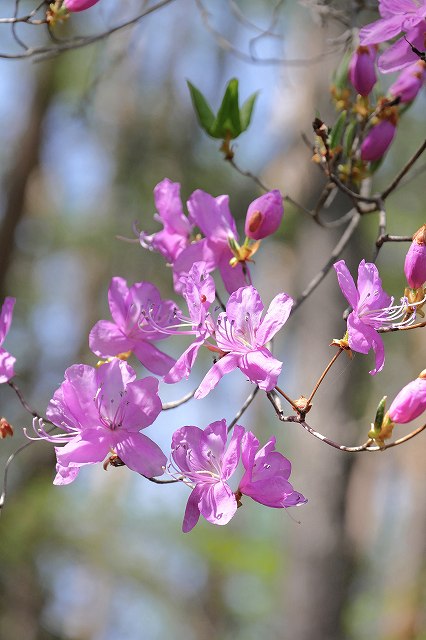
(25, 161)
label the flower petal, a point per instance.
(362, 338)
(6, 317)
(88, 448)
(346, 283)
(217, 502)
(106, 340)
(182, 367)
(223, 366)
(192, 511)
(152, 358)
(140, 453)
(261, 368)
(7, 362)
(276, 316)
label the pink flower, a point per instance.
(79, 5)
(102, 411)
(409, 82)
(7, 361)
(267, 473)
(217, 249)
(213, 217)
(362, 69)
(377, 141)
(176, 234)
(371, 309)
(415, 260)
(206, 465)
(410, 401)
(132, 330)
(241, 335)
(264, 215)
(397, 16)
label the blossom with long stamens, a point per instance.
(7, 361)
(397, 16)
(266, 474)
(131, 330)
(101, 412)
(372, 309)
(240, 336)
(202, 460)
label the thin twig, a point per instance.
(346, 236)
(244, 407)
(403, 171)
(177, 403)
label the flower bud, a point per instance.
(415, 260)
(377, 141)
(409, 82)
(79, 5)
(362, 69)
(410, 401)
(264, 215)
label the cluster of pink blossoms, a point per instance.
(102, 411)
(406, 55)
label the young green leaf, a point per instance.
(202, 109)
(246, 111)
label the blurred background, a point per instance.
(86, 136)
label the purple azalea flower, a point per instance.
(264, 215)
(201, 457)
(409, 82)
(241, 335)
(199, 292)
(176, 234)
(410, 401)
(415, 260)
(398, 16)
(212, 216)
(79, 5)
(102, 411)
(132, 330)
(377, 141)
(362, 69)
(7, 361)
(371, 309)
(267, 472)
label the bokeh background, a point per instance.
(85, 138)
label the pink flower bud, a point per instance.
(415, 260)
(264, 215)
(409, 82)
(362, 69)
(410, 401)
(377, 141)
(79, 5)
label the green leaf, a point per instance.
(247, 110)
(337, 131)
(227, 122)
(378, 421)
(349, 137)
(340, 77)
(202, 109)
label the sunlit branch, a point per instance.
(44, 52)
(366, 446)
(177, 403)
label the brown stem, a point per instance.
(25, 404)
(324, 373)
(289, 400)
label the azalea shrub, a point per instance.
(98, 413)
